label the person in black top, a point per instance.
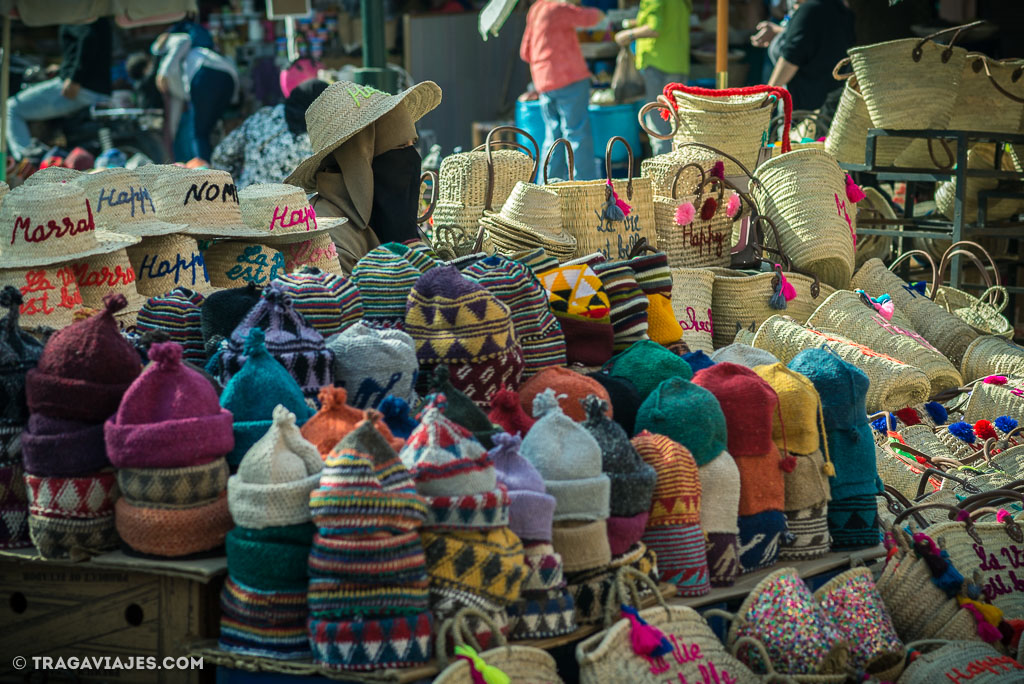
(83, 80)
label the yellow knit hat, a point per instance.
(796, 425)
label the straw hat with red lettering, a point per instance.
(121, 202)
(282, 213)
(206, 200)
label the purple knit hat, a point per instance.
(169, 418)
(55, 447)
(531, 509)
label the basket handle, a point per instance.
(954, 511)
(489, 196)
(570, 157)
(624, 590)
(982, 63)
(641, 246)
(950, 156)
(916, 252)
(608, 162)
(972, 503)
(432, 177)
(779, 93)
(897, 503)
(841, 64)
(728, 156)
(660, 103)
(458, 625)
(771, 675)
(958, 248)
(934, 472)
(917, 53)
(679, 172)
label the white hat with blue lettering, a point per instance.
(122, 203)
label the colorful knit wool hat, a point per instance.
(372, 644)
(169, 417)
(396, 416)
(579, 302)
(628, 302)
(570, 388)
(796, 426)
(84, 369)
(457, 322)
(173, 532)
(223, 310)
(537, 330)
(455, 474)
(329, 302)
(416, 252)
(336, 419)
(673, 528)
(623, 397)
(54, 447)
(179, 314)
(487, 563)
(385, 280)
(655, 279)
(275, 477)
(267, 624)
(253, 393)
(698, 360)
(569, 460)
(632, 479)
(688, 414)
(507, 412)
(590, 588)
(719, 517)
(72, 516)
(743, 355)
(531, 508)
(272, 558)
(461, 408)
(372, 363)
(174, 487)
(289, 339)
(19, 352)
(646, 364)
(537, 260)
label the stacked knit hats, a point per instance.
(577, 298)
(842, 387)
(457, 323)
(179, 314)
(168, 439)
(545, 607)
(385, 280)
(473, 558)
(336, 419)
(289, 339)
(537, 330)
(749, 404)
(690, 415)
(628, 302)
(632, 479)
(372, 363)
(80, 378)
(570, 388)
(655, 279)
(329, 302)
(368, 582)
(673, 528)
(263, 603)
(416, 252)
(19, 352)
(795, 430)
(646, 364)
(253, 393)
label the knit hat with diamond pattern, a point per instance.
(579, 302)
(628, 302)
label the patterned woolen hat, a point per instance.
(719, 517)
(385, 280)
(275, 477)
(336, 419)
(253, 393)
(169, 417)
(743, 355)
(485, 563)
(688, 414)
(72, 516)
(173, 532)
(19, 352)
(531, 508)
(545, 607)
(646, 364)
(372, 363)
(329, 302)
(179, 314)
(267, 624)
(455, 474)
(628, 302)
(569, 460)
(537, 330)
(456, 322)
(623, 397)
(461, 408)
(579, 302)
(84, 369)
(416, 253)
(289, 339)
(655, 279)
(570, 388)
(224, 310)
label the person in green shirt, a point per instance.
(662, 35)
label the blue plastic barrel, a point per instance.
(607, 121)
(529, 118)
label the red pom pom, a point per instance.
(908, 416)
(718, 169)
(708, 209)
(788, 464)
(985, 430)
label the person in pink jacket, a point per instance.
(562, 78)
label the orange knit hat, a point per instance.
(575, 386)
(335, 419)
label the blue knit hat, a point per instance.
(687, 414)
(842, 387)
(396, 416)
(698, 360)
(252, 393)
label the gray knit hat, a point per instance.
(632, 479)
(743, 355)
(371, 363)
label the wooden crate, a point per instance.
(113, 606)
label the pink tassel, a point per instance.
(733, 207)
(853, 191)
(988, 633)
(921, 538)
(618, 202)
(685, 213)
(995, 380)
(1002, 515)
(718, 169)
(647, 640)
(963, 516)
(788, 291)
(886, 310)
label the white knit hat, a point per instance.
(371, 363)
(275, 477)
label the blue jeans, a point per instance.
(41, 102)
(565, 116)
(211, 91)
(655, 81)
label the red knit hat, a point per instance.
(85, 369)
(575, 386)
(748, 403)
(507, 412)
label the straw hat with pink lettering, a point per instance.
(206, 200)
(121, 202)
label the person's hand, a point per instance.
(624, 38)
(70, 89)
(161, 83)
(765, 33)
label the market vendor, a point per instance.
(365, 165)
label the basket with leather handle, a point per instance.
(849, 128)
(695, 228)
(983, 313)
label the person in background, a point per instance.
(662, 35)
(82, 80)
(270, 144)
(562, 78)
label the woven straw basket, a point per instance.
(804, 194)
(893, 383)
(848, 132)
(990, 96)
(990, 355)
(233, 263)
(696, 163)
(988, 401)
(100, 274)
(874, 206)
(50, 295)
(981, 156)
(692, 306)
(983, 313)
(958, 656)
(701, 243)
(845, 313)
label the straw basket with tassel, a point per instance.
(695, 230)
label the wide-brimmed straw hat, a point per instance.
(52, 174)
(50, 224)
(282, 213)
(346, 108)
(531, 217)
(121, 203)
(206, 200)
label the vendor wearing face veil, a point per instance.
(364, 165)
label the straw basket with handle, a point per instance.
(849, 129)
(990, 96)
(996, 396)
(990, 355)
(980, 156)
(692, 306)
(608, 216)
(662, 168)
(695, 229)
(983, 313)
(939, 657)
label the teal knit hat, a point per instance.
(252, 393)
(687, 414)
(646, 364)
(843, 387)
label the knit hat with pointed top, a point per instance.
(177, 313)
(289, 339)
(335, 420)
(796, 426)
(647, 364)
(372, 363)
(531, 508)
(385, 280)
(397, 416)
(623, 397)
(457, 322)
(223, 310)
(579, 302)
(453, 471)
(688, 414)
(570, 389)
(329, 302)
(19, 352)
(253, 393)
(84, 369)
(628, 302)
(460, 408)
(507, 412)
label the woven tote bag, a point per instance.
(591, 210)
(662, 169)
(980, 156)
(984, 313)
(847, 135)
(692, 306)
(991, 94)
(688, 238)
(990, 355)
(1002, 397)
(952, 659)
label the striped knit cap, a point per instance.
(628, 301)
(372, 363)
(416, 253)
(578, 299)
(457, 322)
(329, 302)
(336, 419)
(537, 260)
(269, 624)
(177, 313)
(384, 280)
(655, 279)
(537, 329)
